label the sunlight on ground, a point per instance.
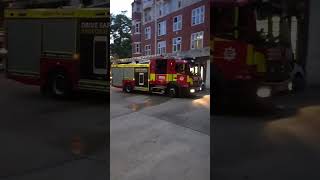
(304, 126)
(204, 101)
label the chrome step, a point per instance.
(158, 90)
(94, 85)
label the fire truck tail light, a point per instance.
(192, 90)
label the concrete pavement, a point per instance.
(283, 144)
(36, 134)
(156, 137)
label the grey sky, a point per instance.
(116, 6)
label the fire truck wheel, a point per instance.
(60, 86)
(128, 88)
(173, 91)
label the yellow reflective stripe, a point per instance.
(250, 55)
(169, 77)
(129, 65)
(152, 77)
(190, 80)
(57, 13)
(260, 61)
(174, 77)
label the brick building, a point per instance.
(173, 27)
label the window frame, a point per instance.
(137, 26)
(159, 49)
(137, 46)
(164, 23)
(147, 34)
(195, 41)
(147, 50)
(176, 24)
(198, 15)
(175, 45)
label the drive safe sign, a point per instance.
(93, 27)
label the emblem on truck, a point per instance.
(230, 53)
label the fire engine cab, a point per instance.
(61, 50)
(252, 52)
(160, 75)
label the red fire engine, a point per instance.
(61, 50)
(160, 75)
(247, 63)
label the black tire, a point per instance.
(60, 85)
(128, 88)
(298, 83)
(173, 91)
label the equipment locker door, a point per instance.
(100, 55)
(141, 78)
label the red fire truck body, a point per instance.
(160, 75)
(60, 50)
(246, 64)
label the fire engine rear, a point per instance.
(61, 50)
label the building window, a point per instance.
(162, 47)
(162, 28)
(137, 48)
(147, 50)
(198, 15)
(177, 23)
(197, 40)
(176, 44)
(147, 15)
(179, 4)
(147, 33)
(137, 28)
(163, 9)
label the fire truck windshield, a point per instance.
(184, 68)
(223, 19)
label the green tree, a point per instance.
(120, 45)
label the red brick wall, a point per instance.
(187, 28)
(149, 41)
(136, 16)
(185, 33)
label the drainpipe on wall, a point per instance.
(155, 28)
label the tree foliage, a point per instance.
(120, 46)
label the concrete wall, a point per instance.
(313, 57)
(208, 75)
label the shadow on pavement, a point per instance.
(277, 143)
